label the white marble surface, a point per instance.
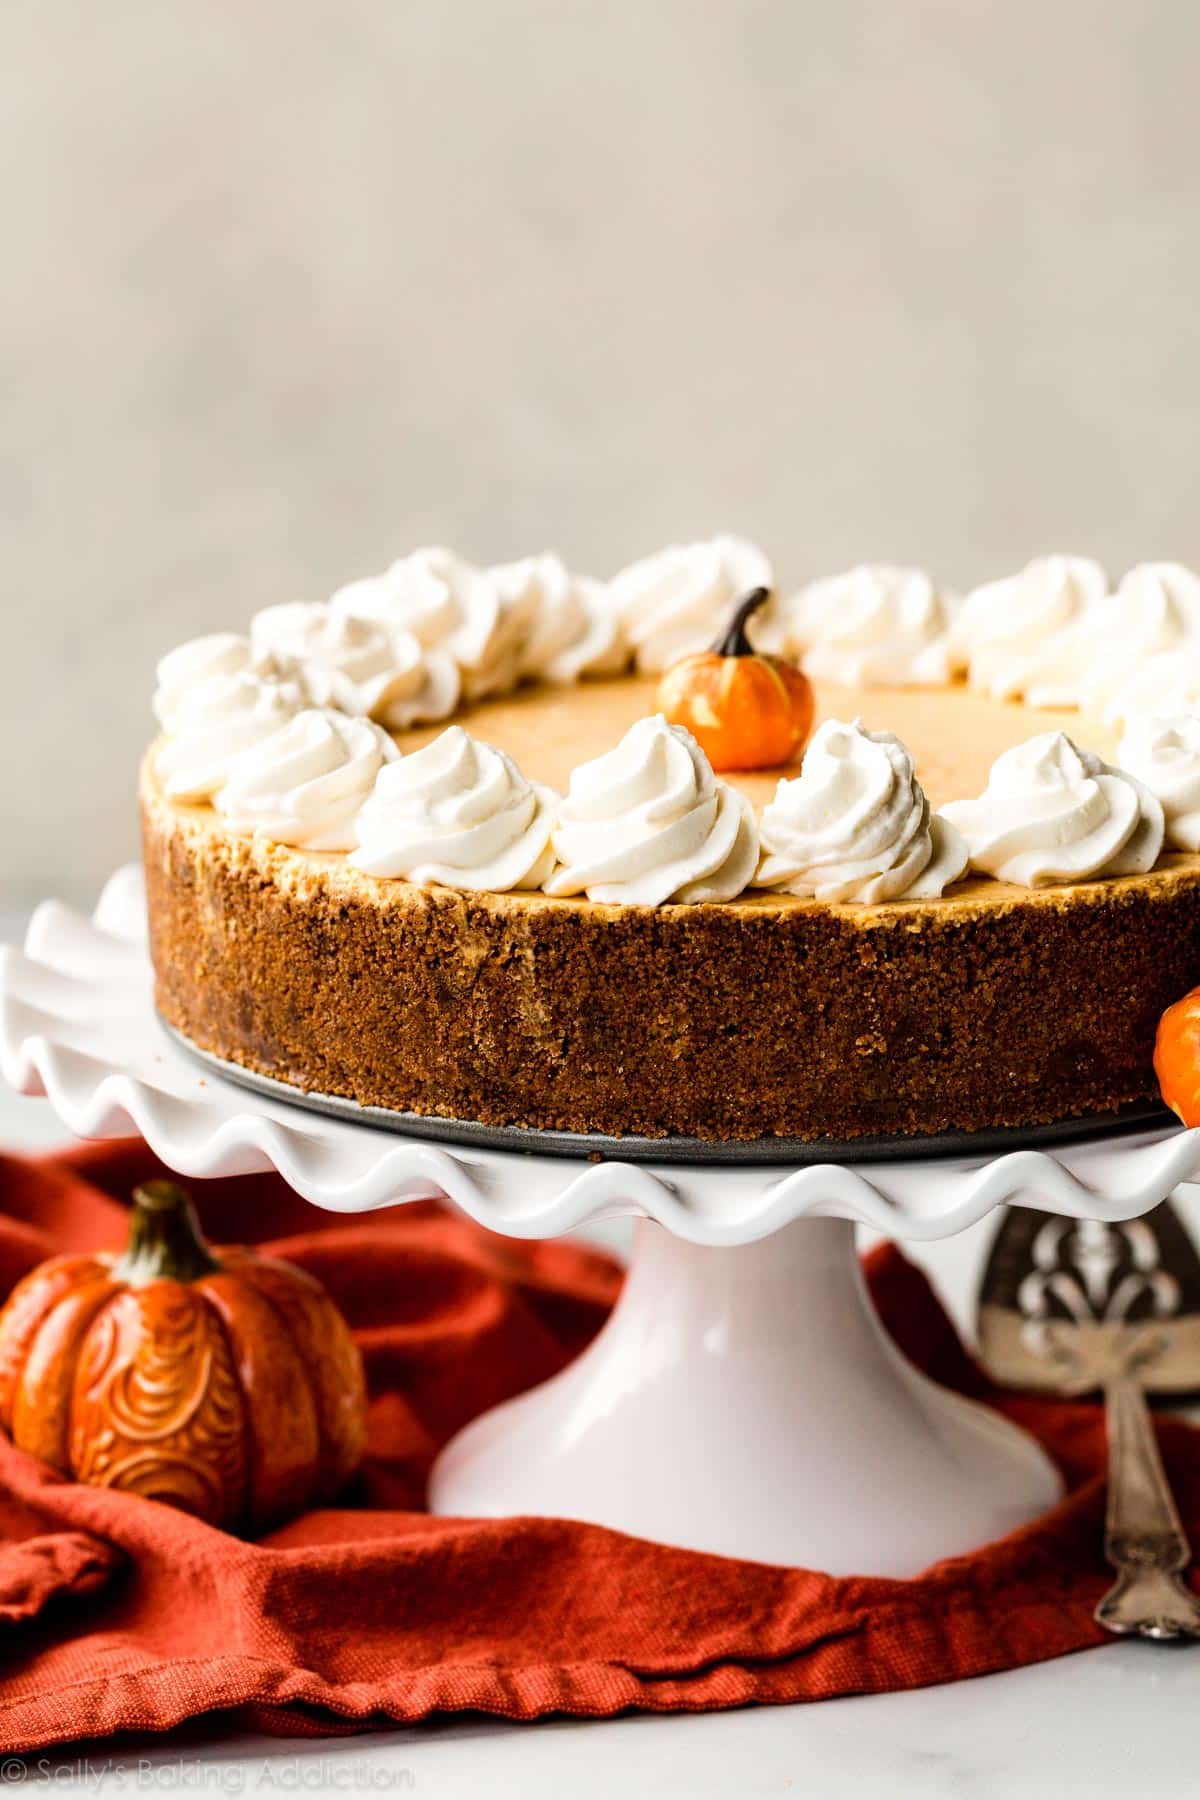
(1120, 1721)
(1102, 1723)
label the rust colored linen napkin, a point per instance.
(119, 1614)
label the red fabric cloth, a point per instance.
(120, 1614)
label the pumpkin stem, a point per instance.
(165, 1242)
(733, 640)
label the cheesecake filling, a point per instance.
(855, 825)
(1164, 754)
(1052, 812)
(457, 814)
(649, 823)
(305, 784)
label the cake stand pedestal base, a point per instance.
(747, 1401)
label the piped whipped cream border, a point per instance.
(247, 718)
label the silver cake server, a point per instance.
(1072, 1306)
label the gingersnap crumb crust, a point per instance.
(995, 1006)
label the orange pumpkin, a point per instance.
(225, 1383)
(747, 710)
(1177, 1057)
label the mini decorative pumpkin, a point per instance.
(747, 710)
(225, 1383)
(1177, 1057)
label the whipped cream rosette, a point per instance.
(416, 595)
(1155, 609)
(460, 814)
(649, 822)
(572, 627)
(678, 600)
(1052, 812)
(1164, 755)
(214, 722)
(489, 627)
(855, 825)
(304, 785)
(873, 626)
(451, 606)
(1029, 637)
(356, 664)
(189, 665)
(1163, 686)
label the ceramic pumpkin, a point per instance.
(747, 710)
(1177, 1057)
(222, 1382)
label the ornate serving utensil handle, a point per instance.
(1143, 1539)
(1076, 1305)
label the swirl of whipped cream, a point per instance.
(1029, 636)
(214, 723)
(187, 666)
(1164, 755)
(855, 825)
(1163, 686)
(573, 628)
(449, 605)
(648, 822)
(678, 600)
(356, 664)
(874, 626)
(415, 595)
(489, 627)
(459, 814)
(1053, 812)
(304, 785)
(1156, 608)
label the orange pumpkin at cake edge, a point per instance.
(1177, 1057)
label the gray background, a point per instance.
(291, 287)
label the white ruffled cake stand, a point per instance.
(742, 1398)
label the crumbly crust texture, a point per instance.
(768, 1015)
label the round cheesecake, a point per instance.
(766, 1015)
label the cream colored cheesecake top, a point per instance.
(957, 699)
(953, 734)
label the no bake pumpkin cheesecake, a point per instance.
(770, 1011)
